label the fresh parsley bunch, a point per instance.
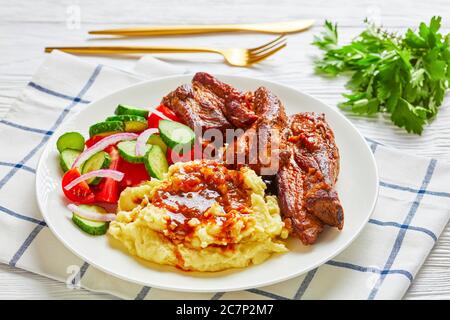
(405, 76)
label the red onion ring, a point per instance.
(142, 141)
(103, 173)
(102, 144)
(158, 113)
(95, 216)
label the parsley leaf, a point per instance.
(406, 76)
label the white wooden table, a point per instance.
(27, 26)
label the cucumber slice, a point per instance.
(176, 135)
(132, 123)
(127, 150)
(106, 127)
(125, 109)
(157, 140)
(95, 228)
(67, 157)
(100, 160)
(70, 140)
(156, 163)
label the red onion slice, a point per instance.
(142, 141)
(159, 114)
(90, 215)
(102, 144)
(103, 173)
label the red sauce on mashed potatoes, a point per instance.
(191, 192)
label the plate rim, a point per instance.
(235, 288)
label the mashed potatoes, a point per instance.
(202, 217)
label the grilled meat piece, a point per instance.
(260, 144)
(235, 105)
(290, 194)
(269, 108)
(312, 163)
(195, 110)
(317, 155)
(210, 104)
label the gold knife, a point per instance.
(273, 28)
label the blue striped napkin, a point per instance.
(411, 212)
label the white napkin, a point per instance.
(411, 212)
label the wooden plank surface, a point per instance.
(27, 26)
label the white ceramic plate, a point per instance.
(357, 187)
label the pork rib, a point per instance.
(194, 110)
(234, 104)
(210, 104)
(290, 194)
(261, 142)
(312, 163)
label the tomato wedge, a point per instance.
(81, 193)
(153, 119)
(108, 190)
(135, 173)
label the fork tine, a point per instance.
(258, 58)
(267, 44)
(268, 48)
(273, 48)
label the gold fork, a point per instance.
(239, 57)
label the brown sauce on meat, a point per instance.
(307, 141)
(193, 189)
